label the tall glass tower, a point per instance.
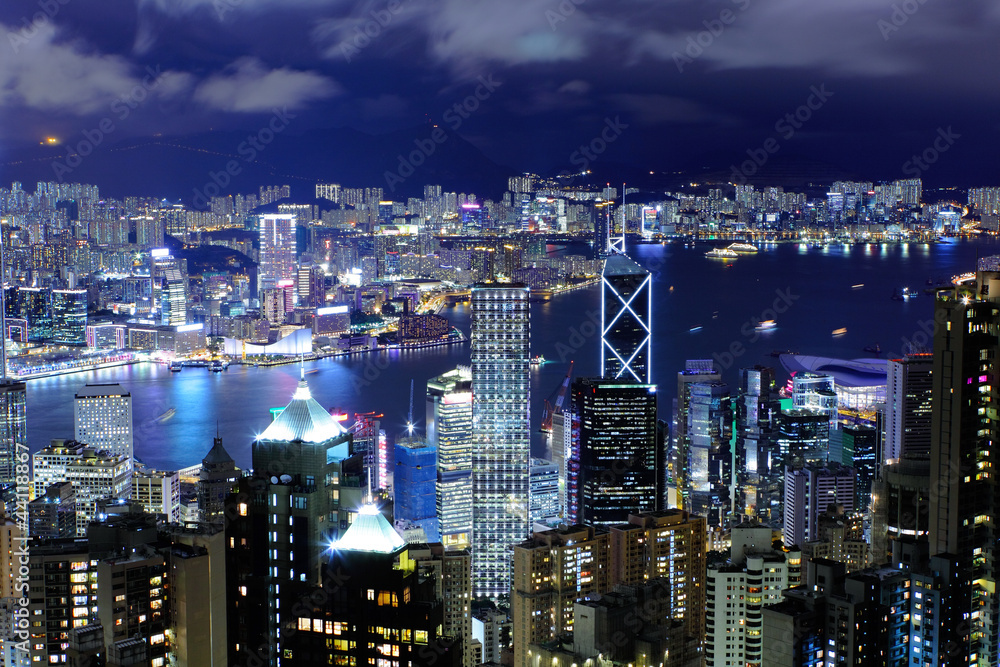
(500, 432)
(277, 249)
(449, 428)
(13, 428)
(626, 304)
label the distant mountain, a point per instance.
(182, 168)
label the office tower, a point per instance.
(449, 429)
(695, 371)
(740, 589)
(552, 571)
(809, 492)
(198, 596)
(103, 417)
(95, 476)
(415, 485)
(33, 305)
(900, 506)
(310, 286)
(626, 328)
(451, 571)
(277, 249)
(13, 428)
(500, 432)
(757, 408)
(857, 451)
(173, 298)
(710, 467)
(908, 407)
(374, 605)
(69, 316)
(964, 496)
(158, 492)
(281, 521)
(53, 514)
(370, 441)
(543, 491)
(803, 437)
(216, 480)
(816, 391)
(617, 455)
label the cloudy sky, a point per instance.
(692, 83)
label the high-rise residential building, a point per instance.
(695, 371)
(756, 411)
(69, 316)
(449, 429)
(281, 522)
(13, 428)
(500, 432)
(373, 606)
(67, 600)
(451, 571)
(415, 485)
(277, 249)
(809, 492)
(158, 492)
(617, 451)
(552, 571)
(965, 494)
(103, 417)
(626, 327)
(710, 468)
(908, 407)
(543, 491)
(217, 479)
(739, 590)
(96, 476)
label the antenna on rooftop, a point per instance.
(409, 419)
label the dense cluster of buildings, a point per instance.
(829, 521)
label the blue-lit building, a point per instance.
(626, 305)
(709, 430)
(415, 485)
(69, 316)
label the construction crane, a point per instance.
(554, 403)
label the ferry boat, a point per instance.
(840, 332)
(903, 294)
(766, 325)
(745, 248)
(537, 360)
(721, 253)
(694, 329)
(165, 416)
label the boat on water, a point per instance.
(721, 253)
(176, 367)
(858, 286)
(743, 248)
(766, 325)
(839, 332)
(166, 415)
(537, 360)
(903, 294)
(694, 329)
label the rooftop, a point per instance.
(303, 420)
(370, 532)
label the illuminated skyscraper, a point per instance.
(69, 316)
(617, 450)
(449, 428)
(908, 407)
(500, 432)
(277, 249)
(756, 410)
(103, 417)
(626, 303)
(13, 428)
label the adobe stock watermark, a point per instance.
(122, 108)
(714, 27)
(900, 16)
(30, 26)
(454, 116)
(248, 150)
(365, 33)
(918, 164)
(577, 336)
(783, 300)
(786, 127)
(559, 15)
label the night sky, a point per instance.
(689, 84)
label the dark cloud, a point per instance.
(693, 78)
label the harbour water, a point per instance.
(809, 292)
